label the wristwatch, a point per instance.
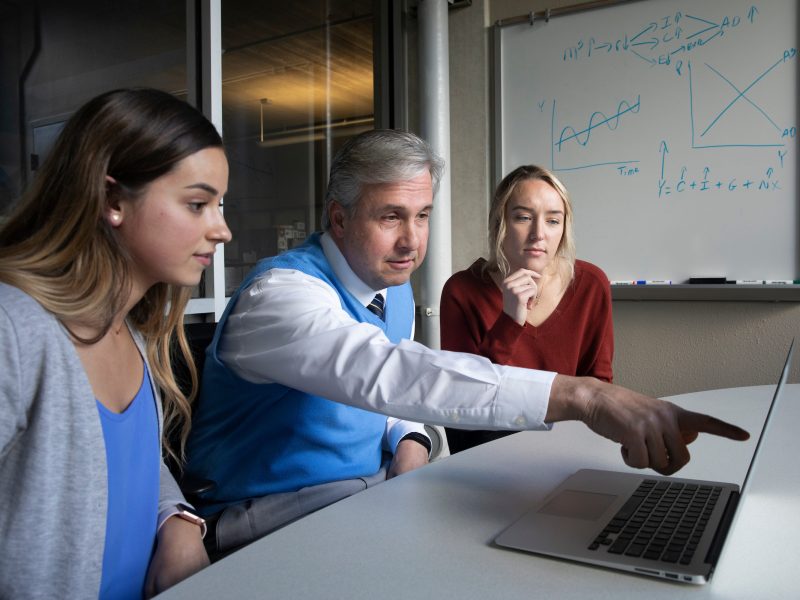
(184, 514)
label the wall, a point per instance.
(662, 348)
(470, 145)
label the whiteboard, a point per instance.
(673, 125)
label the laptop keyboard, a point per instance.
(662, 520)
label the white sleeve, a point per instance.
(397, 429)
(290, 328)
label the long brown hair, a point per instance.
(57, 247)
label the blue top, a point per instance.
(259, 439)
(132, 454)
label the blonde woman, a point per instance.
(95, 267)
(531, 304)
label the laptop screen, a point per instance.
(778, 389)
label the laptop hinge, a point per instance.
(722, 531)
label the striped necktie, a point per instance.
(376, 306)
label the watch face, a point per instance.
(186, 515)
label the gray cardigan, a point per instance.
(53, 480)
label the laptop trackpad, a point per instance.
(575, 504)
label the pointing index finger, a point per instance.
(692, 423)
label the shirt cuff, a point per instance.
(397, 429)
(422, 440)
(522, 399)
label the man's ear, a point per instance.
(112, 212)
(338, 216)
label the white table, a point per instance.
(428, 534)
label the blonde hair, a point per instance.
(565, 254)
(57, 247)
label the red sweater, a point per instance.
(577, 339)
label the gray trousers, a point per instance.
(245, 522)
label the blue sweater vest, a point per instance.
(259, 439)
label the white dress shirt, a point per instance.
(288, 327)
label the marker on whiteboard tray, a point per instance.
(624, 282)
(779, 281)
(658, 282)
(749, 281)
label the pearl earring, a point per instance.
(115, 218)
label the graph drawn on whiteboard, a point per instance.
(568, 137)
(673, 125)
(720, 128)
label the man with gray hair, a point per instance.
(315, 350)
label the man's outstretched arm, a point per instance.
(653, 433)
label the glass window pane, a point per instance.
(297, 82)
(54, 60)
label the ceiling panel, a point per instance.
(307, 58)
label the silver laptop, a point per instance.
(659, 526)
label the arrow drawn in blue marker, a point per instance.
(711, 24)
(664, 151)
(652, 42)
(647, 29)
(651, 61)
